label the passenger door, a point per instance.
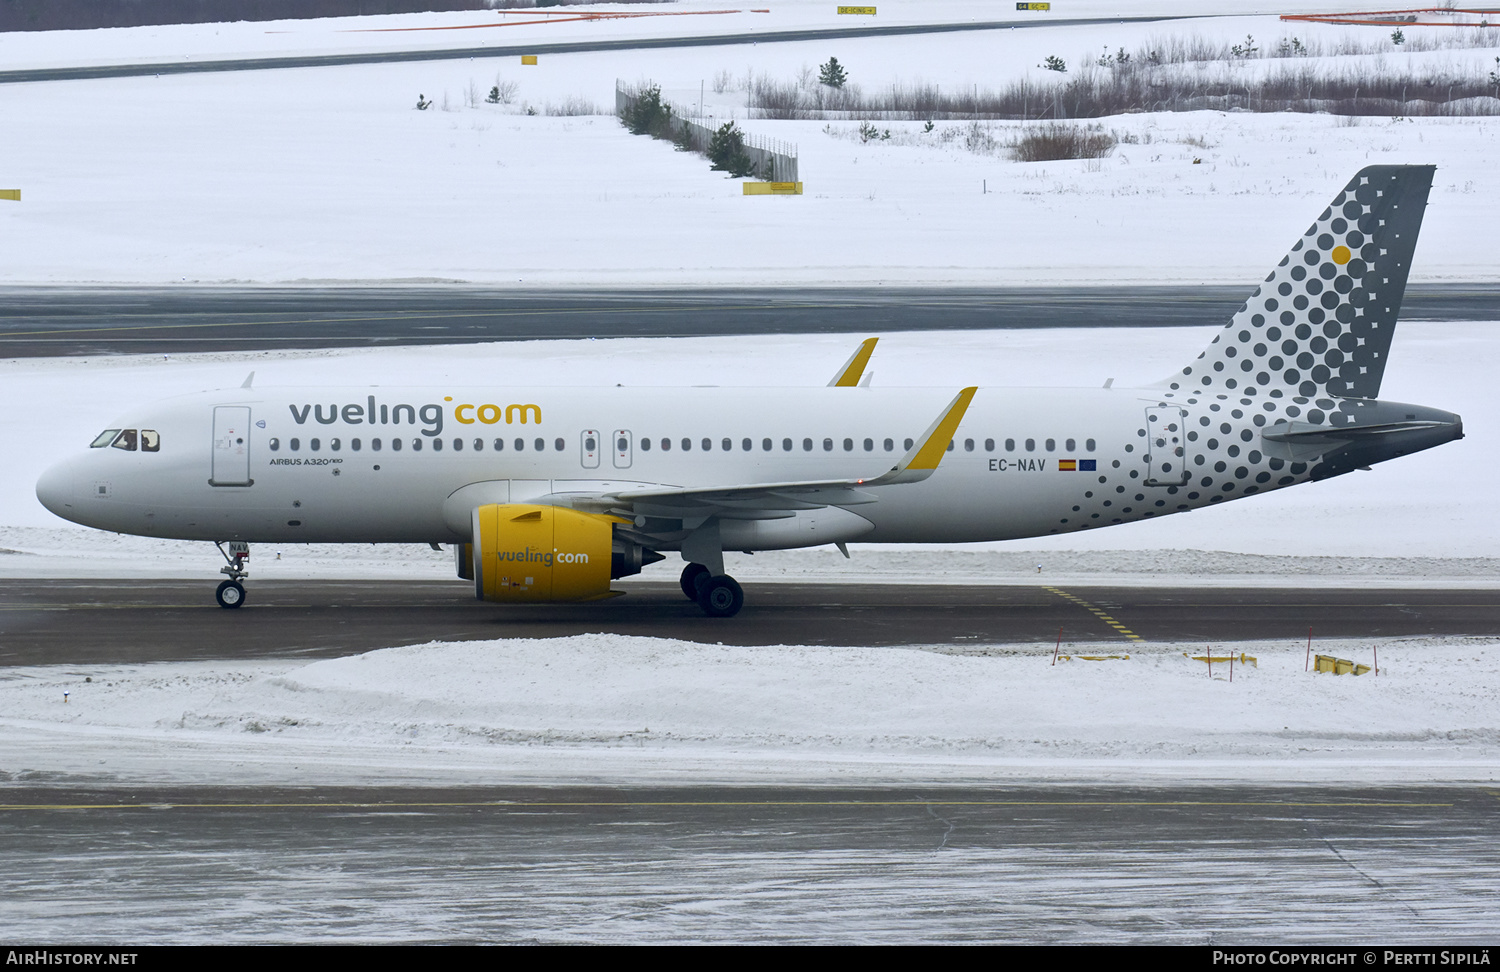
(231, 447)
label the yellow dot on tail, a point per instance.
(1341, 255)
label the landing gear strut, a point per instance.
(719, 597)
(231, 593)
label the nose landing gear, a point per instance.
(231, 593)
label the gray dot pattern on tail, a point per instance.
(1309, 346)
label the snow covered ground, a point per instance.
(611, 709)
(330, 174)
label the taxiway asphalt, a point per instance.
(84, 622)
(1196, 865)
(51, 321)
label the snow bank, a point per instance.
(615, 708)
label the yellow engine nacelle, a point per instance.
(544, 553)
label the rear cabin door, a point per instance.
(1166, 452)
(231, 455)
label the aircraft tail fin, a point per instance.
(1321, 323)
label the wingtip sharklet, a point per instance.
(922, 459)
(848, 376)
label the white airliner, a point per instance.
(549, 493)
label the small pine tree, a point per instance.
(494, 97)
(832, 74)
(1055, 63)
(1397, 37)
(726, 150)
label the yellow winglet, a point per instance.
(849, 374)
(925, 455)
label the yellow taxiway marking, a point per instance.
(1101, 615)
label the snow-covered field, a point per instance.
(610, 708)
(329, 174)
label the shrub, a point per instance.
(1049, 143)
(1055, 63)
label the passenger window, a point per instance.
(416, 445)
(520, 445)
(395, 445)
(645, 443)
(890, 446)
(354, 444)
(437, 445)
(126, 441)
(295, 444)
(745, 444)
(150, 441)
(1010, 445)
(458, 445)
(375, 445)
(827, 445)
(765, 445)
(314, 444)
(786, 445)
(687, 445)
(275, 444)
(666, 445)
(968, 445)
(727, 445)
(334, 444)
(848, 445)
(989, 445)
(1088, 444)
(558, 445)
(806, 445)
(950, 445)
(478, 445)
(869, 445)
(104, 438)
(908, 444)
(1030, 445)
(541, 445)
(1071, 445)
(708, 445)
(1051, 445)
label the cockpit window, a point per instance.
(150, 441)
(126, 440)
(104, 438)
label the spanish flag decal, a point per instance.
(1067, 465)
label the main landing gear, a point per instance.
(719, 597)
(231, 593)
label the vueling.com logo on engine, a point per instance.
(543, 557)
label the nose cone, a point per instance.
(56, 489)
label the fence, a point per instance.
(774, 160)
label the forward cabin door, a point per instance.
(1166, 450)
(231, 456)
